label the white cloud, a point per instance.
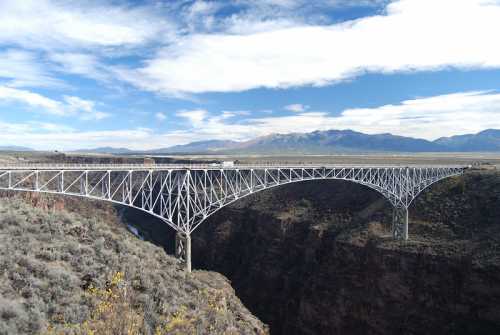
(21, 132)
(52, 25)
(31, 99)
(84, 109)
(297, 108)
(49, 127)
(231, 114)
(160, 116)
(412, 35)
(195, 117)
(75, 104)
(430, 118)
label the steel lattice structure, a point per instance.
(184, 196)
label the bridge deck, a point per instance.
(147, 167)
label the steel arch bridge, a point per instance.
(183, 196)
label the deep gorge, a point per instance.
(317, 258)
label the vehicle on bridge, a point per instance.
(224, 164)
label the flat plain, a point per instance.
(403, 159)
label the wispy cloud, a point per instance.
(20, 68)
(84, 64)
(297, 108)
(160, 116)
(84, 109)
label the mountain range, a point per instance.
(14, 148)
(341, 141)
(324, 142)
(486, 141)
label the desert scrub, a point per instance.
(111, 313)
(82, 272)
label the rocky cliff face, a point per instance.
(317, 258)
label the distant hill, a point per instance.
(486, 140)
(199, 147)
(15, 148)
(329, 142)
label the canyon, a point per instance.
(317, 258)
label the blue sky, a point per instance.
(151, 74)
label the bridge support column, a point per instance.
(183, 249)
(188, 253)
(180, 247)
(400, 223)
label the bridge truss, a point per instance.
(184, 196)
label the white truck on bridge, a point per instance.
(227, 164)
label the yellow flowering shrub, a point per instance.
(112, 313)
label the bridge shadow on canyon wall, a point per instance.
(316, 257)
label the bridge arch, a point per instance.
(239, 197)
